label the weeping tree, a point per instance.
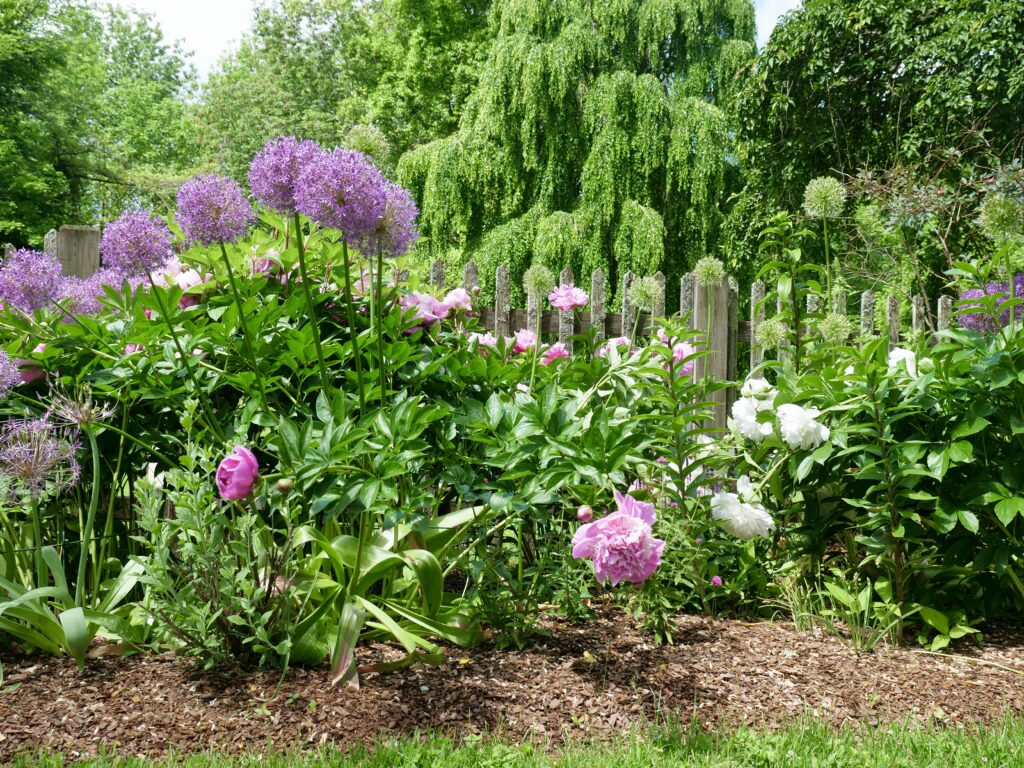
(597, 136)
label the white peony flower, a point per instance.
(745, 488)
(744, 416)
(745, 521)
(799, 428)
(903, 358)
(752, 387)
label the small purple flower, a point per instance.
(38, 455)
(30, 280)
(10, 375)
(716, 581)
(212, 209)
(137, 242)
(395, 232)
(342, 189)
(274, 171)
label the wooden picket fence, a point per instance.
(77, 248)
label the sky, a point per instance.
(210, 28)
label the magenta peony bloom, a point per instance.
(274, 171)
(621, 544)
(428, 310)
(484, 341)
(556, 351)
(30, 280)
(680, 352)
(31, 371)
(618, 341)
(237, 474)
(566, 298)
(342, 190)
(716, 581)
(525, 340)
(212, 209)
(137, 242)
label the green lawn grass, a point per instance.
(805, 744)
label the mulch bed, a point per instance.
(594, 680)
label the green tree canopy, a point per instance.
(596, 137)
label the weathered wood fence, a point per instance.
(77, 248)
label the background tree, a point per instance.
(595, 138)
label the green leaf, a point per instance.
(431, 580)
(76, 634)
(969, 520)
(935, 619)
(961, 451)
(970, 427)
(1007, 509)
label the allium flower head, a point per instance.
(274, 171)
(537, 279)
(799, 428)
(621, 545)
(709, 271)
(79, 410)
(742, 519)
(1002, 217)
(30, 280)
(136, 243)
(835, 329)
(643, 292)
(10, 375)
(38, 456)
(566, 298)
(771, 333)
(824, 197)
(395, 231)
(974, 315)
(212, 209)
(344, 191)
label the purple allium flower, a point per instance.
(621, 544)
(395, 232)
(30, 280)
(10, 375)
(980, 319)
(716, 581)
(274, 171)
(342, 189)
(38, 455)
(137, 242)
(566, 298)
(212, 209)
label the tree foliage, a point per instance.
(603, 120)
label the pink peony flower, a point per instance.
(484, 341)
(566, 298)
(31, 371)
(680, 352)
(237, 474)
(585, 514)
(525, 340)
(428, 310)
(621, 544)
(554, 352)
(131, 349)
(458, 299)
(716, 581)
(618, 341)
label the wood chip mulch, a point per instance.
(588, 681)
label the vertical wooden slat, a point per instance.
(711, 313)
(566, 324)
(470, 279)
(686, 298)
(597, 303)
(502, 309)
(628, 310)
(8, 250)
(892, 318)
(50, 242)
(919, 314)
(733, 330)
(78, 249)
(437, 273)
(659, 298)
(532, 309)
(867, 313)
(756, 318)
(945, 312)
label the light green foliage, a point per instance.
(610, 112)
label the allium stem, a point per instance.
(321, 363)
(380, 327)
(90, 521)
(37, 541)
(352, 331)
(246, 341)
(828, 266)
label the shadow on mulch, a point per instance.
(593, 680)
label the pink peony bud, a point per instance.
(716, 581)
(585, 514)
(237, 474)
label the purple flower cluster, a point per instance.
(621, 545)
(30, 280)
(274, 171)
(980, 319)
(212, 209)
(137, 242)
(39, 455)
(10, 376)
(395, 232)
(342, 190)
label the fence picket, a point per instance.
(470, 280)
(892, 318)
(566, 320)
(502, 307)
(867, 313)
(437, 273)
(597, 303)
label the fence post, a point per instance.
(533, 311)
(892, 318)
(658, 310)
(437, 273)
(711, 304)
(686, 298)
(78, 249)
(756, 318)
(597, 313)
(8, 250)
(50, 242)
(867, 313)
(628, 310)
(502, 309)
(945, 312)
(919, 315)
(470, 281)
(733, 330)
(566, 320)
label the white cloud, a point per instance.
(768, 12)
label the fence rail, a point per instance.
(77, 249)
